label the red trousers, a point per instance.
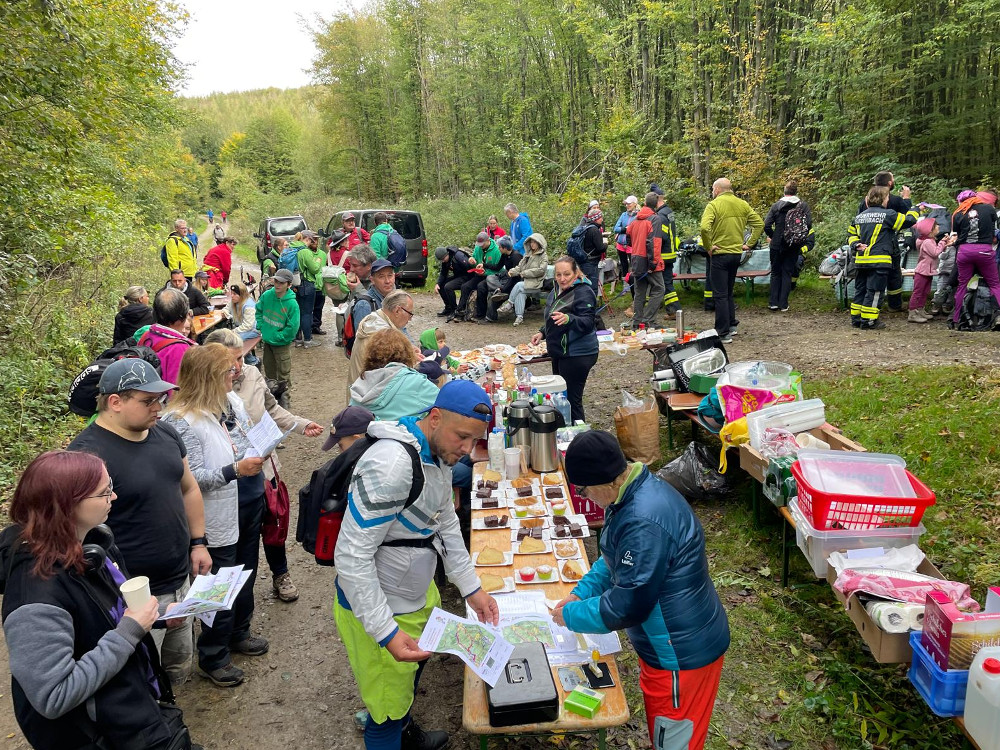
(679, 704)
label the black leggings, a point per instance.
(574, 370)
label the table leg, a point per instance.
(755, 502)
(670, 428)
(602, 739)
(483, 739)
(784, 553)
(694, 430)
(748, 290)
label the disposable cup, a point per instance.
(512, 462)
(135, 592)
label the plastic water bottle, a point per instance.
(641, 335)
(494, 447)
(524, 384)
(499, 406)
(562, 404)
(982, 699)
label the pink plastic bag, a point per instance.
(738, 401)
(901, 586)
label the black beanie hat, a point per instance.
(594, 457)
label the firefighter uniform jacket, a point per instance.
(875, 229)
(665, 233)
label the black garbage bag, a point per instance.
(695, 474)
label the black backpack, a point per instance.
(796, 229)
(574, 245)
(350, 328)
(979, 310)
(83, 390)
(327, 491)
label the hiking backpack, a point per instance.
(323, 502)
(574, 245)
(396, 246)
(979, 310)
(83, 390)
(350, 328)
(289, 259)
(796, 229)
(272, 256)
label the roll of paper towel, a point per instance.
(895, 617)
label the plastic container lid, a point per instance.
(856, 473)
(991, 665)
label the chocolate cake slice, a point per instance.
(490, 502)
(551, 492)
(524, 492)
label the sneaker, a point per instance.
(488, 319)
(505, 308)
(727, 339)
(255, 645)
(318, 332)
(772, 308)
(935, 310)
(498, 296)
(298, 342)
(784, 309)
(916, 316)
(518, 320)
(310, 344)
(415, 738)
(361, 719)
(284, 587)
(225, 676)
(732, 331)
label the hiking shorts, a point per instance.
(679, 704)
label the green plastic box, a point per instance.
(584, 701)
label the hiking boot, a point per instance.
(225, 676)
(310, 344)
(505, 308)
(255, 645)
(935, 310)
(415, 738)
(916, 316)
(284, 587)
(877, 325)
(498, 296)
(518, 320)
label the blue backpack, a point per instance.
(397, 248)
(574, 245)
(289, 259)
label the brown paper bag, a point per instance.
(639, 433)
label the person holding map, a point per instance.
(652, 581)
(387, 553)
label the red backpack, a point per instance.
(350, 329)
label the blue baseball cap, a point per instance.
(379, 264)
(463, 397)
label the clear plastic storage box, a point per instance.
(818, 545)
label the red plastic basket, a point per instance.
(590, 510)
(833, 511)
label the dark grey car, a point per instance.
(271, 228)
(409, 225)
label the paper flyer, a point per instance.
(483, 649)
(265, 436)
(210, 594)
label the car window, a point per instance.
(287, 226)
(407, 224)
(337, 222)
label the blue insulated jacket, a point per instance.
(652, 581)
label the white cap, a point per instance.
(630, 199)
(594, 203)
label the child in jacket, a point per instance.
(930, 250)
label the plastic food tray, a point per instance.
(942, 690)
(759, 374)
(890, 495)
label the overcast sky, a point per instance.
(231, 45)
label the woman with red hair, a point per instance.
(85, 672)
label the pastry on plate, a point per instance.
(524, 502)
(533, 523)
(531, 546)
(490, 556)
(551, 479)
(491, 583)
(491, 476)
(553, 492)
(520, 482)
(544, 572)
(566, 548)
(527, 573)
(496, 522)
(522, 532)
(572, 570)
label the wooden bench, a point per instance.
(747, 277)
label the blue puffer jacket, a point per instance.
(652, 580)
(578, 337)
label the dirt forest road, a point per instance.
(302, 695)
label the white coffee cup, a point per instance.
(512, 462)
(135, 592)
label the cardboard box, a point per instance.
(754, 464)
(953, 637)
(886, 648)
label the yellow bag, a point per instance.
(733, 434)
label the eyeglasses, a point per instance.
(161, 400)
(408, 312)
(107, 493)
